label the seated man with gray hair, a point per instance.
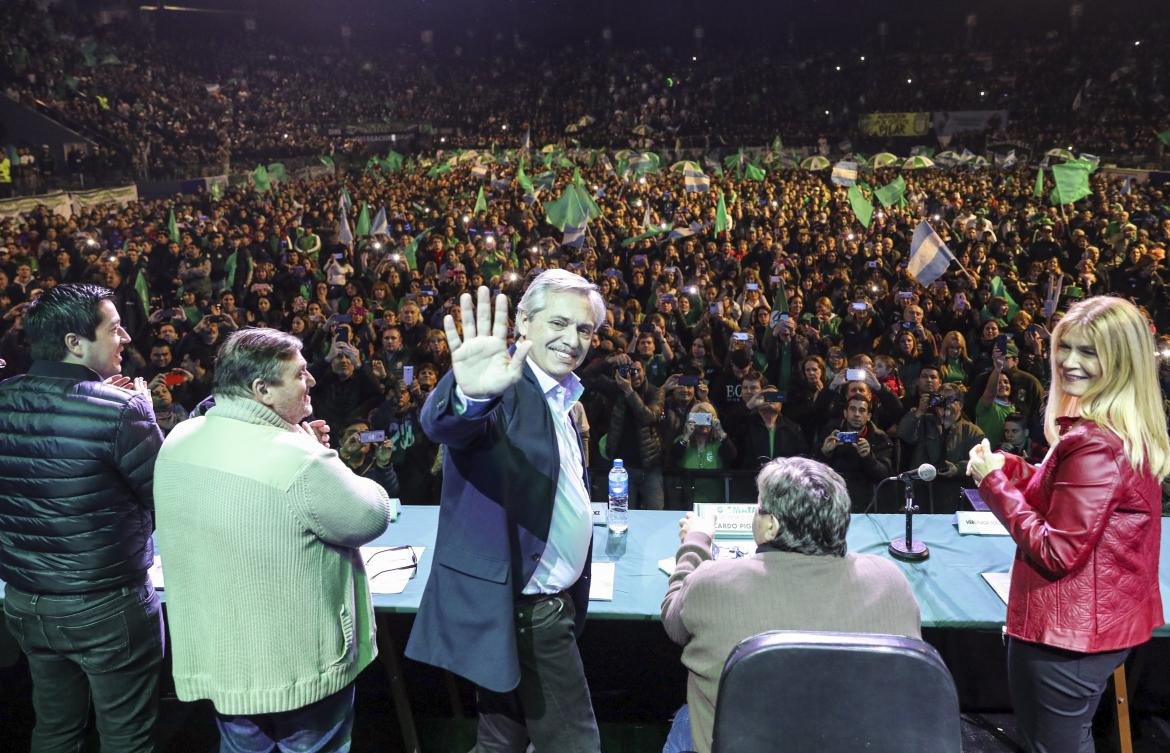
(800, 578)
(259, 525)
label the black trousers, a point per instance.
(103, 647)
(1056, 692)
(551, 707)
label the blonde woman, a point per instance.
(704, 446)
(954, 363)
(1086, 523)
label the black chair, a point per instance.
(787, 691)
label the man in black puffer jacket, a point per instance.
(77, 448)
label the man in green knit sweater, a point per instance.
(258, 523)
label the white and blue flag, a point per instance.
(844, 173)
(479, 171)
(575, 235)
(929, 256)
(695, 181)
(344, 233)
(379, 226)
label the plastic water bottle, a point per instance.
(619, 498)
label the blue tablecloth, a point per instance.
(950, 591)
(948, 585)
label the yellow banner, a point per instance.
(895, 124)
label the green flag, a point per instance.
(777, 145)
(998, 289)
(721, 223)
(143, 289)
(523, 179)
(363, 221)
(216, 190)
(577, 177)
(103, 102)
(260, 179)
(1164, 137)
(1038, 189)
(751, 172)
(573, 208)
(480, 202)
(172, 227)
(327, 161)
(892, 193)
(411, 250)
(780, 299)
(277, 173)
(862, 206)
(1072, 182)
(229, 269)
(393, 161)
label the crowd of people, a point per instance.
(160, 108)
(794, 332)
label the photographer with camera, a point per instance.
(765, 433)
(704, 446)
(635, 406)
(936, 432)
(859, 451)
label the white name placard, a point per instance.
(732, 521)
(978, 523)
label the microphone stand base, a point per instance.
(916, 552)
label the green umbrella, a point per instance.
(917, 162)
(682, 165)
(1061, 154)
(816, 162)
(884, 159)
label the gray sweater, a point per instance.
(710, 606)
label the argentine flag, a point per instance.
(686, 232)
(929, 257)
(844, 173)
(379, 227)
(695, 181)
(575, 235)
(344, 233)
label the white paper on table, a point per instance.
(601, 582)
(390, 568)
(1000, 583)
(156, 574)
(727, 550)
(979, 523)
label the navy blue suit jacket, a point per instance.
(499, 484)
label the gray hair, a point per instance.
(251, 354)
(809, 501)
(560, 281)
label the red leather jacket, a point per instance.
(1087, 528)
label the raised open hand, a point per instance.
(483, 369)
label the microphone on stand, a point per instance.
(924, 472)
(906, 548)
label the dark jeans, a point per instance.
(551, 707)
(1055, 694)
(106, 646)
(322, 727)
